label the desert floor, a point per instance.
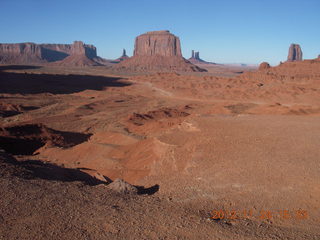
(236, 145)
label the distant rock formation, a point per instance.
(21, 53)
(195, 58)
(122, 58)
(157, 51)
(264, 65)
(32, 53)
(295, 53)
(80, 55)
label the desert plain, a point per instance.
(155, 146)
(244, 142)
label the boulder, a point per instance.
(264, 65)
(122, 186)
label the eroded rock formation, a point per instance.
(20, 53)
(195, 58)
(264, 65)
(157, 43)
(123, 57)
(157, 51)
(295, 53)
(80, 55)
(32, 53)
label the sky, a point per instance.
(223, 31)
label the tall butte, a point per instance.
(295, 53)
(157, 51)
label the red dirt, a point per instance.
(239, 142)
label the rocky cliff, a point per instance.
(295, 53)
(32, 53)
(157, 51)
(20, 53)
(81, 55)
(157, 43)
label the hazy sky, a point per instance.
(224, 31)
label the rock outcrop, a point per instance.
(122, 58)
(122, 186)
(195, 58)
(20, 53)
(80, 55)
(161, 43)
(157, 51)
(264, 65)
(32, 53)
(295, 53)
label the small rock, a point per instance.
(122, 186)
(264, 65)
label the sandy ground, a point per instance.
(240, 147)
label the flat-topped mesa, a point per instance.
(32, 53)
(161, 43)
(158, 32)
(295, 53)
(20, 53)
(158, 51)
(21, 48)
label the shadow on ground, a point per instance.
(30, 83)
(33, 169)
(18, 67)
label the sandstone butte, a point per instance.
(295, 53)
(195, 58)
(157, 51)
(78, 54)
(123, 57)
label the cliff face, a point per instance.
(20, 53)
(295, 53)
(157, 43)
(79, 48)
(157, 51)
(31, 53)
